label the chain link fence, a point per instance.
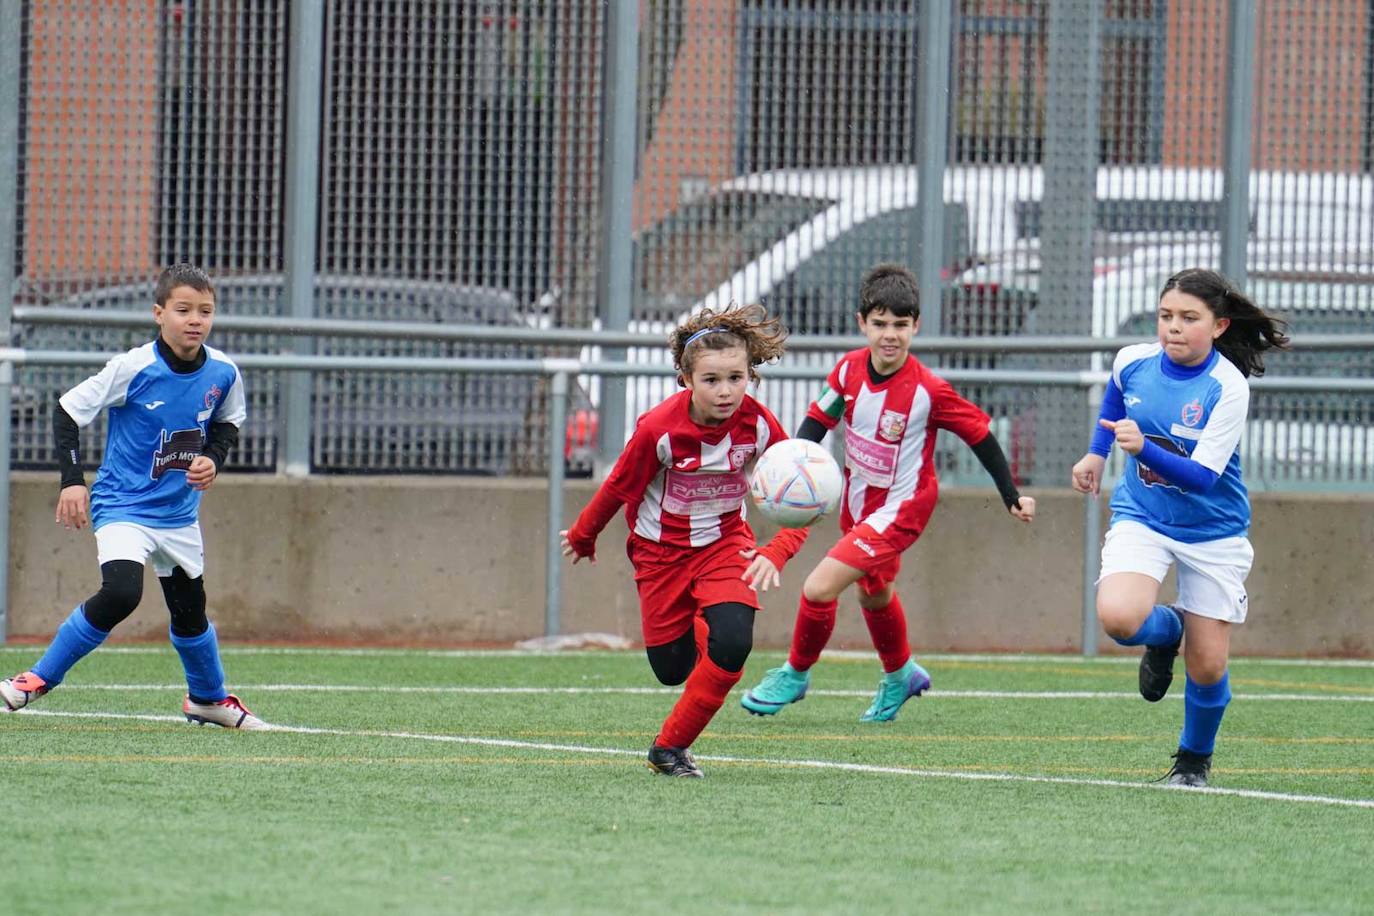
(776, 154)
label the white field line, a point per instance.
(765, 761)
(847, 654)
(544, 691)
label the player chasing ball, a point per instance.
(682, 480)
(893, 407)
(1177, 408)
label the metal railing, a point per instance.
(560, 372)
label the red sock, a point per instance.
(887, 626)
(815, 623)
(707, 687)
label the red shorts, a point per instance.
(675, 583)
(865, 549)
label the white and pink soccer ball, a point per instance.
(796, 483)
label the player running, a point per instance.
(682, 480)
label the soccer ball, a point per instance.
(796, 483)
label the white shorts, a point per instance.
(168, 548)
(1211, 574)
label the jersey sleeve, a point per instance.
(636, 467)
(951, 411)
(1225, 426)
(233, 407)
(107, 388)
(828, 407)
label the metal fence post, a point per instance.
(553, 565)
(304, 85)
(1092, 542)
(1072, 97)
(932, 143)
(619, 163)
(9, 189)
(1235, 196)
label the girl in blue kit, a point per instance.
(1177, 408)
(175, 407)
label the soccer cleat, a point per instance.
(228, 712)
(21, 690)
(910, 680)
(1189, 769)
(673, 761)
(779, 687)
(1157, 666)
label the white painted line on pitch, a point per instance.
(847, 654)
(767, 761)
(514, 691)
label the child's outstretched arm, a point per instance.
(628, 480)
(1087, 472)
(766, 562)
(994, 461)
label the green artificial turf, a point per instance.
(520, 786)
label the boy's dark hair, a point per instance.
(890, 287)
(182, 274)
(1251, 331)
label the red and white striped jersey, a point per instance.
(684, 484)
(889, 440)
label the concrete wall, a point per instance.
(405, 561)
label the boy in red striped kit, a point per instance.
(682, 479)
(893, 408)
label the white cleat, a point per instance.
(21, 690)
(228, 713)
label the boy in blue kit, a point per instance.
(1177, 408)
(176, 406)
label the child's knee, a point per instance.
(1120, 620)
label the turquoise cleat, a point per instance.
(910, 680)
(779, 687)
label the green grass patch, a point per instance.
(446, 784)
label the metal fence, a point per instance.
(563, 164)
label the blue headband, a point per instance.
(702, 333)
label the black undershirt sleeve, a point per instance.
(990, 453)
(223, 437)
(812, 429)
(66, 437)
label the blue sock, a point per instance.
(200, 658)
(1203, 708)
(1162, 628)
(75, 639)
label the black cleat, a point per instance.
(1189, 769)
(1157, 667)
(673, 761)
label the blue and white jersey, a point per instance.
(158, 423)
(1198, 412)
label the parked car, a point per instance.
(370, 422)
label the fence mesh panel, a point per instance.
(775, 160)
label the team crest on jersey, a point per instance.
(739, 455)
(1192, 413)
(892, 424)
(212, 396)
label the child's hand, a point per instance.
(1128, 434)
(1023, 508)
(73, 507)
(568, 550)
(201, 473)
(761, 574)
(1087, 474)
